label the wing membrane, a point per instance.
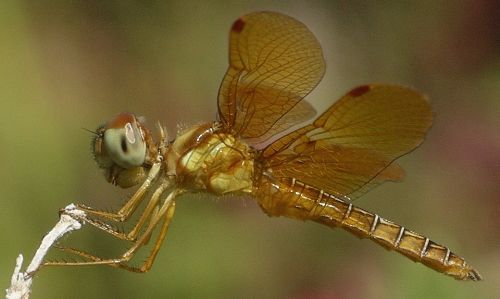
(350, 148)
(274, 62)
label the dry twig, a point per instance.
(21, 282)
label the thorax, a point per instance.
(203, 157)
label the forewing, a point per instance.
(274, 61)
(351, 147)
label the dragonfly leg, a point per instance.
(166, 213)
(126, 211)
(134, 232)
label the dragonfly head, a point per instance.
(120, 147)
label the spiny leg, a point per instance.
(166, 210)
(147, 264)
(132, 234)
(126, 211)
(151, 210)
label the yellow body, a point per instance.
(293, 199)
(204, 159)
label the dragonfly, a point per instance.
(311, 173)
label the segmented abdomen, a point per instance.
(294, 199)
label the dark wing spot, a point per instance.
(238, 26)
(359, 91)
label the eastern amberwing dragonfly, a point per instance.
(311, 173)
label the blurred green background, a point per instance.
(65, 65)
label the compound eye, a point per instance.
(124, 141)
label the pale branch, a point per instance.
(20, 287)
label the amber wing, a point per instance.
(351, 147)
(274, 62)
